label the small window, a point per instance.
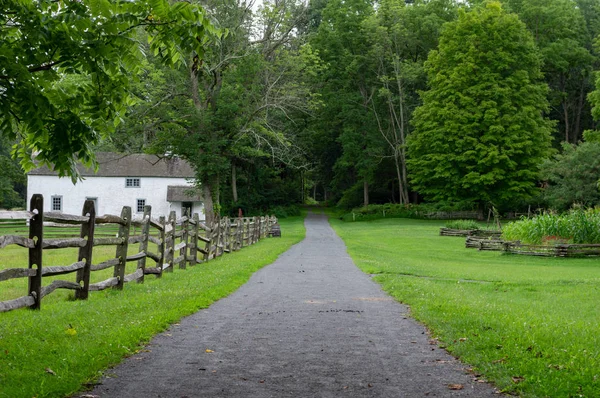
(95, 200)
(140, 205)
(57, 203)
(132, 183)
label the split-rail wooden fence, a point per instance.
(516, 247)
(179, 242)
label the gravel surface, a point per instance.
(309, 325)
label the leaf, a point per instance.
(208, 351)
(455, 386)
(50, 371)
(517, 379)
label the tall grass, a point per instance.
(576, 226)
(462, 224)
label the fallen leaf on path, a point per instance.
(207, 350)
(455, 386)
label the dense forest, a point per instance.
(464, 104)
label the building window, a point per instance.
(95, 200)
(140, 205)
(57, 204)
(132, 183)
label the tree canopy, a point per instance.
(480, 134)
(66, 68)
(353, 102)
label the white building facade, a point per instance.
(121, 180)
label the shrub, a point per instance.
(462, 224)
(576, 226)
(284, 211)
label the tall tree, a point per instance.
(480, 134)
(400, 37)
(66, 67)
(563, 31)
(346, 124)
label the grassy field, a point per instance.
(530, 325)
(53, 352)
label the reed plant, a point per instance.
(462, 224)
(578, 226)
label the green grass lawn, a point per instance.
(53, 352)
(531, 325)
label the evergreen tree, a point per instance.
(480, 135)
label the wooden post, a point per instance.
(161, 246)
(36, 232)
(184, 238)
(194, 246)
(145, 230)
(85, 253)
(170, 243)
(121, 253)
(217, 235)
(247, 234)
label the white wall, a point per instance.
(111, 193)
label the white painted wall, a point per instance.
(111, 193)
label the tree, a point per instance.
(66, 68)
(233, 107)
(563, 30)
(574, 174)
(345, 132)
(12, 178)
(480, 135)
(400, 37)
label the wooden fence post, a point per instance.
(194, 246)
(36, 232)
(161, 246)
(170, 241)
(184, 238)
(217, 236)
(122, 248)
(85, 252)
(227, 247)
(145, 231)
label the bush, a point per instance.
(576, 226)
(393, 210)
(462, 224)
(284, 211)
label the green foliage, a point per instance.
(505, 316)
(392, 210)
(66, 69)
(480, 134)
(573, 175)
(12, 179)
(576, 226)
(462, 224)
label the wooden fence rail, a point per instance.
(184, 242)
(516, 247)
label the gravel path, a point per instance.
(309, 325)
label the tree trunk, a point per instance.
(234, 183)
(366, 193)
(209, 208)
(580, 105)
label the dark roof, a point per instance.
(182, 193)
(112, 164)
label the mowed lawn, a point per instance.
(528, 324)
(53, 352)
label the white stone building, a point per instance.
(121, 180)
